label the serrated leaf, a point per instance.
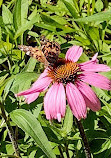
(29, 124)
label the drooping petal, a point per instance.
(74, 53)
(96, 80)
(40, 85)
(76, 101)
(44, 74)
(89, 96)
(31, 97)
(94, 67)
(55, 102)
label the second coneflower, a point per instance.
(68, 79)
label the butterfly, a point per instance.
(48, 52)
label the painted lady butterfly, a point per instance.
(48, 52)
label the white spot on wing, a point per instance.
(28, 53)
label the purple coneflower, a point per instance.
(70, 80)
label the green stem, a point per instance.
(8, 156)
(84, 138)
(88, 10)
(61, 153)
(10, 131)
(67, 152)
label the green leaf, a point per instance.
(108, 107)
(8, 20)
(46, 26)
(27, 26)
(24, 11)
(99, 5)
(2, 79)
(102, 93)
(106, 145)
(20, 13)
(34, 34)
(1, 2)
(71, 9)
(68, 121)
(48, 20)
(29, 124)
(5, 47)
(107, 57)
(103, 16)
(17, 14)
(16, 54)
(8, 86)
(9, 149)
(22, 81)
(94, 33)
(30, 65)
(83, 40)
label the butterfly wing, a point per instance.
(47, 54)
(34, 52)
(51, 50)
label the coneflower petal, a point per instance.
(76, 101)
(55, 102)
(96, 80)
(40, 85)
(74, 53)
(89, 96)
(31, 97)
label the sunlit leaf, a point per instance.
(29, 124)
(102, 16)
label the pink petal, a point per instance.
(31, 97)
(93, 66)
(76, 101)
(89, 96)
(96, 80)
(40, 85)
(74, 53)
(55, 102)
(94, 58)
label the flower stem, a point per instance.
(84, 138)
(10, 131)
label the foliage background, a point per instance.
(86, 23)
